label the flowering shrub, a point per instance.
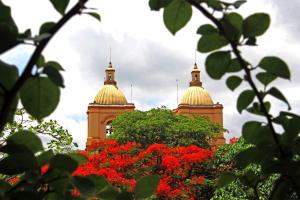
(180, 168)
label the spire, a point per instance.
(195, 76)
(110, 75)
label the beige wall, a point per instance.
(100, 115)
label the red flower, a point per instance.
(233, 140)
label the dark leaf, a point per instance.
(158, 4)
(55, 65)
(257, 110)
(63, 163)
(39, 96)
(251, 41)
(46, 27)
(81, 159)
(125, 196)
(18, 163)
(214, 4)
(275, 66)
(28, 139)
(44, 158)
(277, 94)
(211, 42)
(244, 100)
(265, 78)
(256, 134)
(99, 182)
(176, 15)
(217, 63)
(234, 66)
(108, 193)
(285, 167)
(238, 4)
(41, 61)
(256, 25)
(233, 82)
(8, 29)
(95, 15)
(84, 185)
(225, 179)
(54, 75)
(60, 5)
(233, 23)
(206, 29)
(146, 186)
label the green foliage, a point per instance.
(274, 155)
(60, 5)
(58, 138)
(146, 186)
(176, 15)
(163, 126)
(39, 96)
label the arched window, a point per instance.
(109, 128)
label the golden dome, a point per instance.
(196, 95)
(110, 95)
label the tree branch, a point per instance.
(248, 79)
(11, 94)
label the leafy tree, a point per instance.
(58, 139)
(274, 152)
(162, 125)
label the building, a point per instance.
(196, 101)
(111, 102)
(107, 105)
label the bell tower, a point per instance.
(110, 75)
(195, 77)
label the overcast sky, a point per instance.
(147, 56)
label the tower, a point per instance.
(196, 101)
(107, 105)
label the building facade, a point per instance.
(111, 102)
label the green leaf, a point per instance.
(265, 78)
(176, 15)
(8, 29)
(81, 159)
(54, 75)
(233, 23)
(99, 182)
(125, 196)
(206, 29)
(233, 82)
(211, 42)
(256, 108)
(39, 96)
(41, 61)
(238, 4)
(275, 66)
(214, 4)
(146, 186)
(234, 66)
(95, 15)
(8, 77)
(217, 63)
(277, 94)
(84, 185)
(28, 139)
(251, 41)
(55, 65)
(256, 24)
(158, 4)
(225, 179)
(46, 27)
(45, 157)
(63, 163)
(17, 163)
(253, 132)
(60, 5)
(244, 100)
(4, 186)
(108, 193)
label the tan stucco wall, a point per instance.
(100, 115)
